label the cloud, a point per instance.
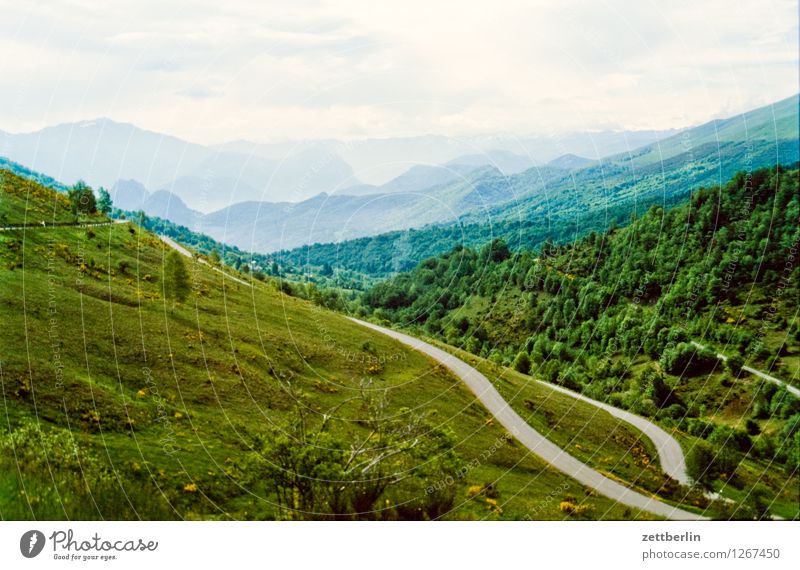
(199, 92)
(212, 71)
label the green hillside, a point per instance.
(123, 401)
(615, 315)
(25, 172)
(528, 208)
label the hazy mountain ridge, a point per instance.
(103, 151)
(562, 205)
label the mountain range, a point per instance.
(280, 196)
(561, 204)
(208, 178)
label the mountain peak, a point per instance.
(570, 161)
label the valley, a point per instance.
(591, 339)
(121, 406)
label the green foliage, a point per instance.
(82, 199)
(177, 284)
(26, 173)
(104, 203)
(655, 387)
(214, 257)
(613, 315)
(544, 204)
(522, 362)
(701, 462)
(687, 359)
(162, 408)
(317, 474)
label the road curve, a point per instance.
(530, 438)
(791, 389)
(670, 454)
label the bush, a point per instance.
(675, 411)
(652, 383)
(751, 427)
(700, 428)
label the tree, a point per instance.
(81, 198)
(104, 203)
(687, 359)
(176, 278)
(700, 462)
(522, 363)
(213, 257)
(654, 386)
(734, 365)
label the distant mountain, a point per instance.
(505, 161)
(570, 162)
(268, 226)
(415, 179)
(129, 195)
(103, 151)
(553, 203)
(166, 205)
(376, 161)
(211, 193)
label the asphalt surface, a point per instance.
(791, 389)
(536, 442)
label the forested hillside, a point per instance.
(615, 315)
(562, 205)
(138, 384)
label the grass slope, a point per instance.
(118, 406)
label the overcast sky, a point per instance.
(224, 70)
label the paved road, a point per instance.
(533, 440)
(669, 451)
(42, 226)
(791, 389)
(183, 251)
(670, 454)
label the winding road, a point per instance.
(669, 451)
(791, 389)
(670, 454)
(544, 448)
(185, 252)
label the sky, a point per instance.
(293, 70)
